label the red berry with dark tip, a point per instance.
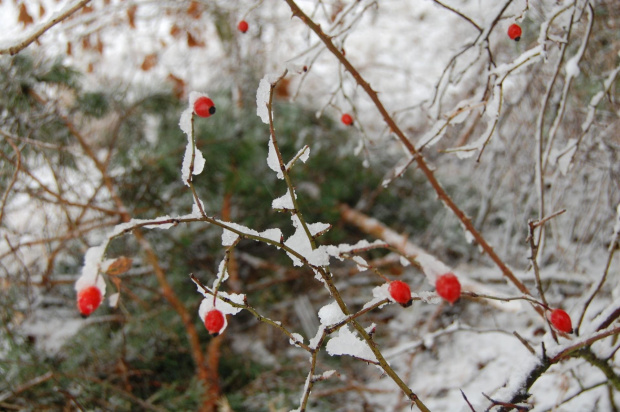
(243, 26)
(400, 292)
(88, 300)
(214, 322)
(561, 321)
(204, 107)
(347, 119)
(448, 287)
(514, 32)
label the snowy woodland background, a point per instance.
(469, 152)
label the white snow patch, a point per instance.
(379, 294)
(185, 124)
(272, 234)
(303, 155)
(222, 274)
(90, 270)
(331, 314)
(284, 202)
(113, 299)
(296, 340)
(347, 343)
(300, 243)
(272, 160)
(262, 96)
(224, 307)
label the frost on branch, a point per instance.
(296, 339)
(262, 96)
(272, 160)
(347, 343)
(331, 314)
(90, 270)
(284, 202)
(229, 237)
(191, 150)
(224, 307)
(300, 243)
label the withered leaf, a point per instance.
(24, 17)
(119, 266)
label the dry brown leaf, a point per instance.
(178, 86)
(41, 9)
(175, 30)
(87, 9)
(99, 45)
(194, 10)
(149, 62)
(69, 49)
(282, 88)
(131, 15)
(86, 43)
(91, 68)
(119, 266)
(193, 42)
(24, 17)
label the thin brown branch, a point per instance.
(39, 32)
(421, 163)
(461, 15)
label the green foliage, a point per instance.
(94, 104)
(141, 352)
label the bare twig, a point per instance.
(39, 32)
(461, 15)
(421, 163)
(599, 286)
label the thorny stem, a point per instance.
(151, 256)
(534, 250)
(327, 278)
(578, 350)
(287, 178)
(421, 163)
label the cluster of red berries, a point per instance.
(514, 32)
(204, 107)
(88, 300)
(447, 285)
(243, 26)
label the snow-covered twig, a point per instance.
(39, 31)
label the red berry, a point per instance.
(401, 293)
(514, 32)
(214, 322)
(243, 26)
(88, 300)
(561, 321)
(204, 107)
(448, 287)
(347, 119)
